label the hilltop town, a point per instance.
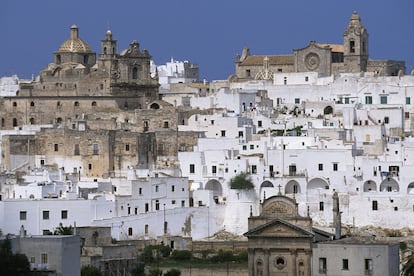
(111, 143)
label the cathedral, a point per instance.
(324, 58)
(102, 110)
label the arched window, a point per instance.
(32, 121)
(14, 104)
(2, 122)
(76, 104)
(104, 50)
(32, 104)
(58, 59)
(85, 59)
(135, 73)
(93, 103)
(14, 122)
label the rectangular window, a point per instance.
(292, 170)
(43, 258)
(172, 202)
(322, 265)
(352, 46)
(76, 151)
(95, 149)
(368, 266)
(248, 73)
(129, 210)
(140, 191)
(23, 215)
(320, 167)
(126, 147)
(374, 205)
(368, 99)
(172, 188)
(254, 169)
(64, 214)
(384, 99)
(182, 203)
(407, 115)
(223, 133)
(165, 124)
(345, 264)
(321, 207)
(45, 215)
(297, 100)
(156, 188)
(407, 100)
(90, 166)
(56, 147)
(386, 120)
(214, 169)
(192, 168)
(244, 147)
(346, 100)
(259, 123)
(157, 205)
(251, 147)
(335, 166)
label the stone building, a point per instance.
(324, 58)
(79, 83)
(99, 114)
(279, 239)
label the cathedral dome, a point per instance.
(74, 43)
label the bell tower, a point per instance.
(355, 45)
(108, 52)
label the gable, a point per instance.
(279, 228)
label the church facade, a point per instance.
(324, 58)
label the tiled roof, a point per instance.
(334, 47)
(273, 60)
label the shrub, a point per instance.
(181, 255)
(241, 181)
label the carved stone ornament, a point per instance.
(278, 207)
(312, 61)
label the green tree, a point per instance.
(408, 266)
(12, 264)
(64, 230)
(242, 181)
(90, 271)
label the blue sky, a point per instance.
(208, 33)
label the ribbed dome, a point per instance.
(74, 43)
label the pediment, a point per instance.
(279, 228)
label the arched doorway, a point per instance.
(370, 186)
(389, 185)
(215, 186)
(317, 184)
(328, 110)
(292, 187)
